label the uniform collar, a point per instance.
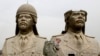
(69, 37)
(27, 35)
(72, 33)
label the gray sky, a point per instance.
(50, 16)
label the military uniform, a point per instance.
(34, 46)
(68, 45)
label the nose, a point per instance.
(23, 18)
(80, 16)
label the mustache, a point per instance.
(80, 21)
(23, 23)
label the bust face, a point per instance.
(77, 19)
(25, 21)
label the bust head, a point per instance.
(26, 18)
(75, 19)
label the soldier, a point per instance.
(73, 41)
(26, 42)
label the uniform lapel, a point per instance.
(86, 44)
(31, 43)
(69, 42)
(15, 43)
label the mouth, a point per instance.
(23, 23)
(80, 21)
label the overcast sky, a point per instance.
(50, 16)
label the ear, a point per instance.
(67, 15)
(67, 21)
(35, 20)
(16, 18)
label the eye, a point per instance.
(82, 14)
(28, 17)
(20, 17)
